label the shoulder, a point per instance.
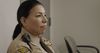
(18, 46)
(22, 49)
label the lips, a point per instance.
(43, 26)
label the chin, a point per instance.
(41, 32)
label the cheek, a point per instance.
(35, 24)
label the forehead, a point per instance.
(38, 9)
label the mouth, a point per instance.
(43, 27)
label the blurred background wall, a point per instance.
(8, 21)
(77, 18)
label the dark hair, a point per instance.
(23, 11)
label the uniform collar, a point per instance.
(34, 39)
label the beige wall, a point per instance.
(77, 18)
(8, 10)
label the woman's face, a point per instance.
(36, 21)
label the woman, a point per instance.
(27, 37)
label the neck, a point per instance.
(32, 36)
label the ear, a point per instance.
(22, 20)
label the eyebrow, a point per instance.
(41, 13)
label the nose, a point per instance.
(44, 19)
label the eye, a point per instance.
(38, 15)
